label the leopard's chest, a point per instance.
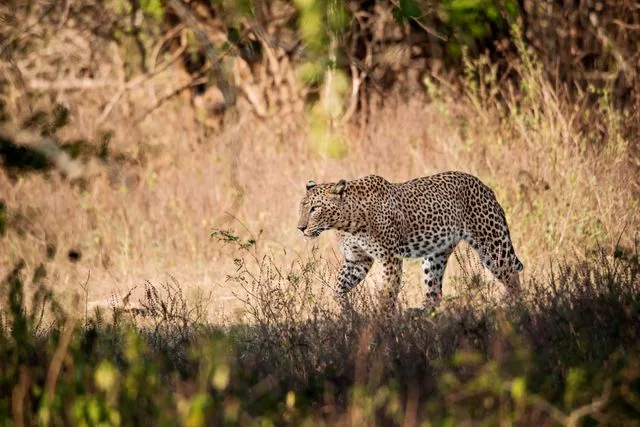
(368, 243)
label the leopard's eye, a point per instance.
(313, 208)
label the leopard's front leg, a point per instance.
(355, 267)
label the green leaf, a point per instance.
(519, 388)
(492, 13)
(311, 73)
(512, 9)
(474, 6)
(153, 8)
(338, 17)
(410, 8)
(478, 30)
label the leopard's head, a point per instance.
(321, 207)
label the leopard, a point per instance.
(425, 217)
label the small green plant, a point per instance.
(228, 236)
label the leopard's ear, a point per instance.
(340, 187)
(310, 185)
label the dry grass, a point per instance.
(147, 213)
(150, 216)
(566, 353)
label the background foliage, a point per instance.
(130, 129)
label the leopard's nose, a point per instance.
(302, 228)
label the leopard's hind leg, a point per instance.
(498, 255)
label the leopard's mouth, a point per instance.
(313, 234)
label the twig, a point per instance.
(69, 84)
(114, 100)
(193, 82)
(137, 82)
(168, 36)
(258, 30)
(607, 43)
(235, 144)
(421, 25)
(364, 68)
(19, 394)
(85, 288)
(58, 359)
(589, 409)
(22, 34)
(254, 99)
(274, 67)
(65, 14)
(356, 81)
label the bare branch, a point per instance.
(137, 82)
(428, 30)
(576, 415)
(191, 83)
(356, 81)
(69, 84)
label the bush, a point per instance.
(567, 351)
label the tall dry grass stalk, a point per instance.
(148, 213)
